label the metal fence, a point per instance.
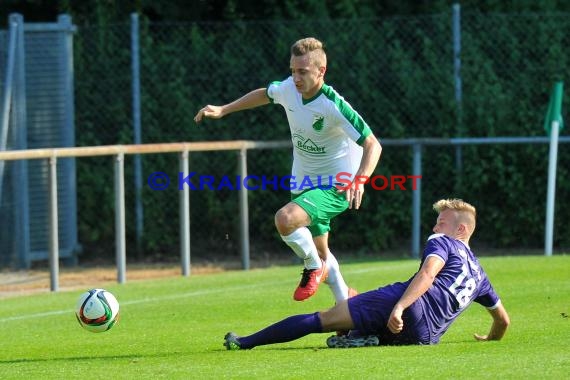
(410, 77)
(38, 111)
(185, 184)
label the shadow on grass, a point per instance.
(134, 357)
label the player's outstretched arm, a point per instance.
(252, 99)
(500, 324)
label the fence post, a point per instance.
(456, 30)
(243, 210)
(135, 67)
(53, 226)
(120, 239)
(67, 165)
(7, 95)
(20, 185)
(184, 195)
(553, 123)
(551, 190)
(416, 201)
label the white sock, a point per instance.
(301, 242)
(335, 280)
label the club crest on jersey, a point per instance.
(318, 122)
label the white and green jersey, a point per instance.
(326, 132)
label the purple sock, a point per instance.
(287, 330)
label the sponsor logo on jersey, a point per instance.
(307, 145)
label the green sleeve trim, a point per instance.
(348, 112)
(367, 132)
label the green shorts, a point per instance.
(322, 205)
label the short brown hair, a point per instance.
(314, 47)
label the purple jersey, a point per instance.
(460, 282)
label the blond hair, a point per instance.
(466, 213)
(313, 47)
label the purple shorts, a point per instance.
(370, 312)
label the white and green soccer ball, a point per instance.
(97, 310)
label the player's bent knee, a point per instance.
(283, 222)
(288, 219)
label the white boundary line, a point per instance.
(134, 302)
(178, 296)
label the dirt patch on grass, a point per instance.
(17, 283)
(37, 281)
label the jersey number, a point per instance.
(464, 295)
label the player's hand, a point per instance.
(213, 112)
(354, 194)
(395, 322)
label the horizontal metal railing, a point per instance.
(119, 151)
(242, 146)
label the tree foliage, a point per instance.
(113, 11)
(396, 71)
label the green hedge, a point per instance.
(397, 72)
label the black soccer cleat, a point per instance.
(231, 342)
(347, 341)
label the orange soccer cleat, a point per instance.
(310, 281)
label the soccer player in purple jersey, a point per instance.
(418, 311)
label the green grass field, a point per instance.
(173, 329)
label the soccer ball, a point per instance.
(97, 310)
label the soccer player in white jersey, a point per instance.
(417, 311)
(329, 139)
